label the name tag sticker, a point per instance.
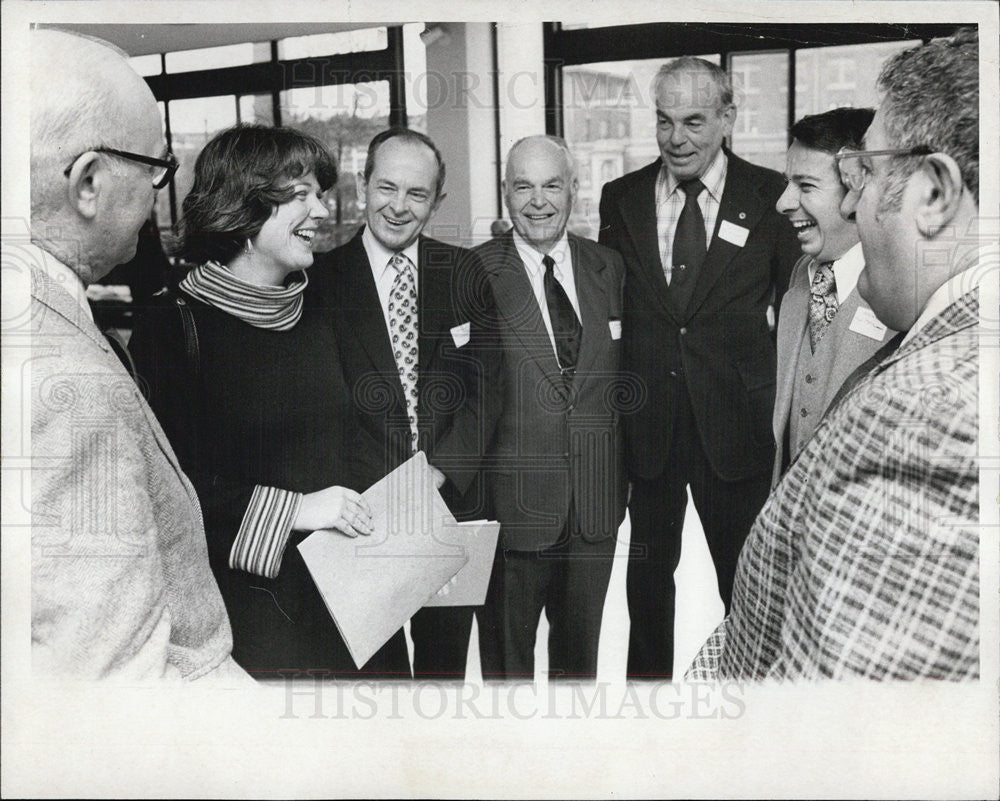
(736, 234)
(867, 324)
(461, 333)
(615, 327)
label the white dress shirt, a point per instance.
(670, 203)
(563, 271)
(846, 270)
(379, 257)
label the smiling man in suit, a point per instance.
(414, 321)
(705, 254)
(557, 478)
(826, 329)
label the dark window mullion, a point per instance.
(792, 56)
(397, 86)
(275, 93)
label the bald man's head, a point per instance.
(85, 95)
(540, 188)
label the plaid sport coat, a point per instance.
(865, 559)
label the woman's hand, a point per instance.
(336, 508)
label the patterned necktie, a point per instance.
(689, 250)
(403, 334)
(822, 302)
(566, 329)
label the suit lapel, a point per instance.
(516, 302)
(593, 312)
(363, 312)
(50, 294)
(433, 302)
(741, 205)
(639, 214)
(791, 330)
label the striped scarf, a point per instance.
(273, 307)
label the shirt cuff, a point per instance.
(260, 542)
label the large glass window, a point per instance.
(344, 117)
(256, 109)
(760, 87)
(609, 111)
(192, 123)
(830, 77)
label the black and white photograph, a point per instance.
(548, 400)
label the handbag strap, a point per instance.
(191, 347)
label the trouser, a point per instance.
(441, 641)
(569, 581)
(726, 509)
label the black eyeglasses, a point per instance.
(162, 175)
(854, 175)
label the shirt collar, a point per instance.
(714, 178)
(846, 270)
(961, 283)
(379, 255)
(62, 275)
(532, 257)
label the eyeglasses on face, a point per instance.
(162, 175)
(854, 170)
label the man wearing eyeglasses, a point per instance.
(825, 330)
(120, 586)
(865, 560)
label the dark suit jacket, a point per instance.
(549, 450)
(453, 407)
(720, 342)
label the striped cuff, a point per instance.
(260, 542)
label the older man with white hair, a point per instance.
(120, 585)
(558, 479)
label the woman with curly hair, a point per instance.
(242, 368)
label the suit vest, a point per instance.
(819, 375)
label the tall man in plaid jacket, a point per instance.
(865, 559)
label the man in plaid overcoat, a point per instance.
(865, 559)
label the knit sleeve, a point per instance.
(260, 542)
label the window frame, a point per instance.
(277, 75)
(582, 46)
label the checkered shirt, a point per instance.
(865, 559)
(670, 204)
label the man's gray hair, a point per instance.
(72, 108)
(556, 141)
(693, 66)
(930, 96)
